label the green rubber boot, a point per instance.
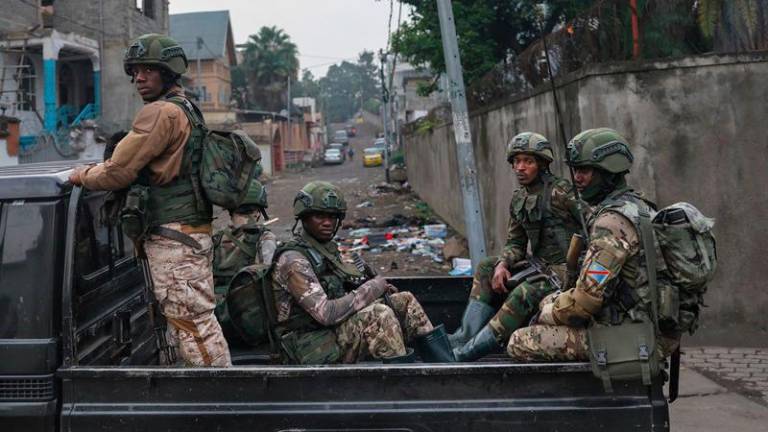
(476, 315)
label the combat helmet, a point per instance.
(255, 198)
(530, 143)
(600, 148)
(158, 50)
(319, 197)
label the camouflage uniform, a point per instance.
(326, 311)
(544, 215)
(154, 155)
(245, 242)
(612, 285)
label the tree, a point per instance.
(269, 59)
(349, 87)
(738, 25)
(489, 31)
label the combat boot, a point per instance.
(482, 344)
(434, 347)
(476, 315)
(408, 357)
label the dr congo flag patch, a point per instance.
(598, 273)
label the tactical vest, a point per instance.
(336, 278)
(547, 232)
(241, 252)
(182, 199)
(628, 295)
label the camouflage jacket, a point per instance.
(314, 288)
(544, 214)
(613, 282)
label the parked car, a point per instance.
(372, 157)
(333, 157)
(351, 131)
(341, 137)
(380, 144)
(337, 146)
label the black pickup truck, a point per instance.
(77, 351)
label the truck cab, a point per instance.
(78, 351)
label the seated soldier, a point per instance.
(245, 242)
(327, 312)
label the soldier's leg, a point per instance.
(479, 308)
(539, 343)
(481, 282)
(372, 332)
(520, 305)
(183, 286)
(517, 309)
(414, 321)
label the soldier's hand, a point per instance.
(500, 277)
(76, 177)
(391, 289)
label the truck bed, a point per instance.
(492, 395)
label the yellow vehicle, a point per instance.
(372, 157)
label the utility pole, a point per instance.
(288, 110)
(473, 211)
(385, 113)
(198, 79)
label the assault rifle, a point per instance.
(532, 269)
(156, 319)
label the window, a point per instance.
(26, 99)
(149, 8)
(95, 246)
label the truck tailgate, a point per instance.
(493, 396)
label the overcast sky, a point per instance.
(325, 31)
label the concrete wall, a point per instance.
(697, 133)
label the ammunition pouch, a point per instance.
(314, 347)
(623, 352)
(133, 216)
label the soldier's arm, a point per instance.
(155, 127)
(612, 241)
(268, 244)
(302, 283)
(516, 245)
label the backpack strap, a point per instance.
(240, 244)
(649, 246)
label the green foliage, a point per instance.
(709, 16)
(424, 125)
(397, 158)
(269, 59)
(372, 105)
(489, 32)
(349, 87)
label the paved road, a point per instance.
(351, 177)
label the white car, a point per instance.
(333, 156)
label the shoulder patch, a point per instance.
(597, 272)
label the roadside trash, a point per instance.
(436, 231)
(455, 247)
(360, 232)
(393, 265)
(364, 204)
(461, 267)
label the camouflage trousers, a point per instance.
(546, 341)
(375, 331)
(516, 309)
(183, 287)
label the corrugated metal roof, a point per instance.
(213, 27)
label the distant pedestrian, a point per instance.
(351, 153)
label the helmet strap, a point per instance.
(602, 184)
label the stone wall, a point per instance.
(696, 129)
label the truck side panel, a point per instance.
(464, 397)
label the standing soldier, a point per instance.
(544, 215)
(246, 241)
(155, 160)
(614, 279)
(325, 314)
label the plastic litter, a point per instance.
(436, 231)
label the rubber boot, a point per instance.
(434, 347)
(476, 315)
(409, 357)
(482, 344)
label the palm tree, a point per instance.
(269, 59)
(735, 25)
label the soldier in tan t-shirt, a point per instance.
(178, 247)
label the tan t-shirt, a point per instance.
(156, 140)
